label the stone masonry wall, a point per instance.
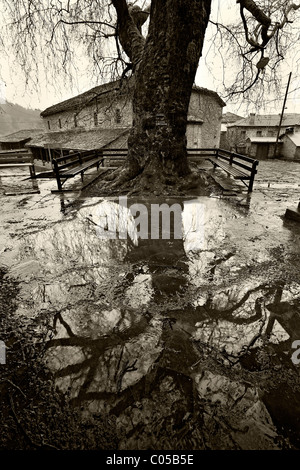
(289, 150)
(252, 150)
(111, 110)
(204, 127)
(237, 136)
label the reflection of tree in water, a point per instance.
(159, 405)
(146, 360)
(284, 312)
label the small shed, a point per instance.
(17, 140)
(261, 148)
(290, 149)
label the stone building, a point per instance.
(290, 148)
(227, 118)
(261, 148)
(102, 117)
(102, 107)
(256, 135)
(204, 119)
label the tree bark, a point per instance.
(130, 35)
(256, 12)
(164, 77)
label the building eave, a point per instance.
(77, 102)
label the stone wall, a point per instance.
(113, 110)
(237, 136)
(289, 151)
(252, 150)
(204, 116)
(109, 111)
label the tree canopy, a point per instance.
(57, 36)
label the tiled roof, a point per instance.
(83, 99)
(263, 140)
(206, 91)
(78, 139)
(294, 138)
(121, 142)
(229, 118)
(20, 136)
(79, 101)
(268, 120)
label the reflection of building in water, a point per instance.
(133, 319)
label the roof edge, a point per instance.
(98, 90)
(107, 88)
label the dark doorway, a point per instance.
(262, 151)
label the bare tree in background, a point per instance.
(163, 63)
(258, 44)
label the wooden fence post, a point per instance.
(253, 173)
(56, 171)
(32, 171)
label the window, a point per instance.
(59, 123)
(118, 116)
(243, 133)
(75, 120)
(270, 134)
(258, 133)
(95, 119)
(49, 127)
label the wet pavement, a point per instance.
(187, 342)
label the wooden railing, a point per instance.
(17, 158)
(18, 155)
(239, 166)
(193, 153)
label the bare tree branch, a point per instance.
(130, 36)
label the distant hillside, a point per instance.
(14, 118)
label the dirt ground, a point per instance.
(123, 343)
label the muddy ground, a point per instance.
(123, 343)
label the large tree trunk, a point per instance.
(163, 85)
(164, 71)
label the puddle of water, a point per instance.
(155, 331)
(273, 185)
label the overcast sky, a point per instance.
(13, 87)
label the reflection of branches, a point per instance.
(151, 381)
(226, 314)
(94, 349)
(102, 343)
(119, 373)
(126, 368)
(286, 313)
(59, 317)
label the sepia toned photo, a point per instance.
(150, 228)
